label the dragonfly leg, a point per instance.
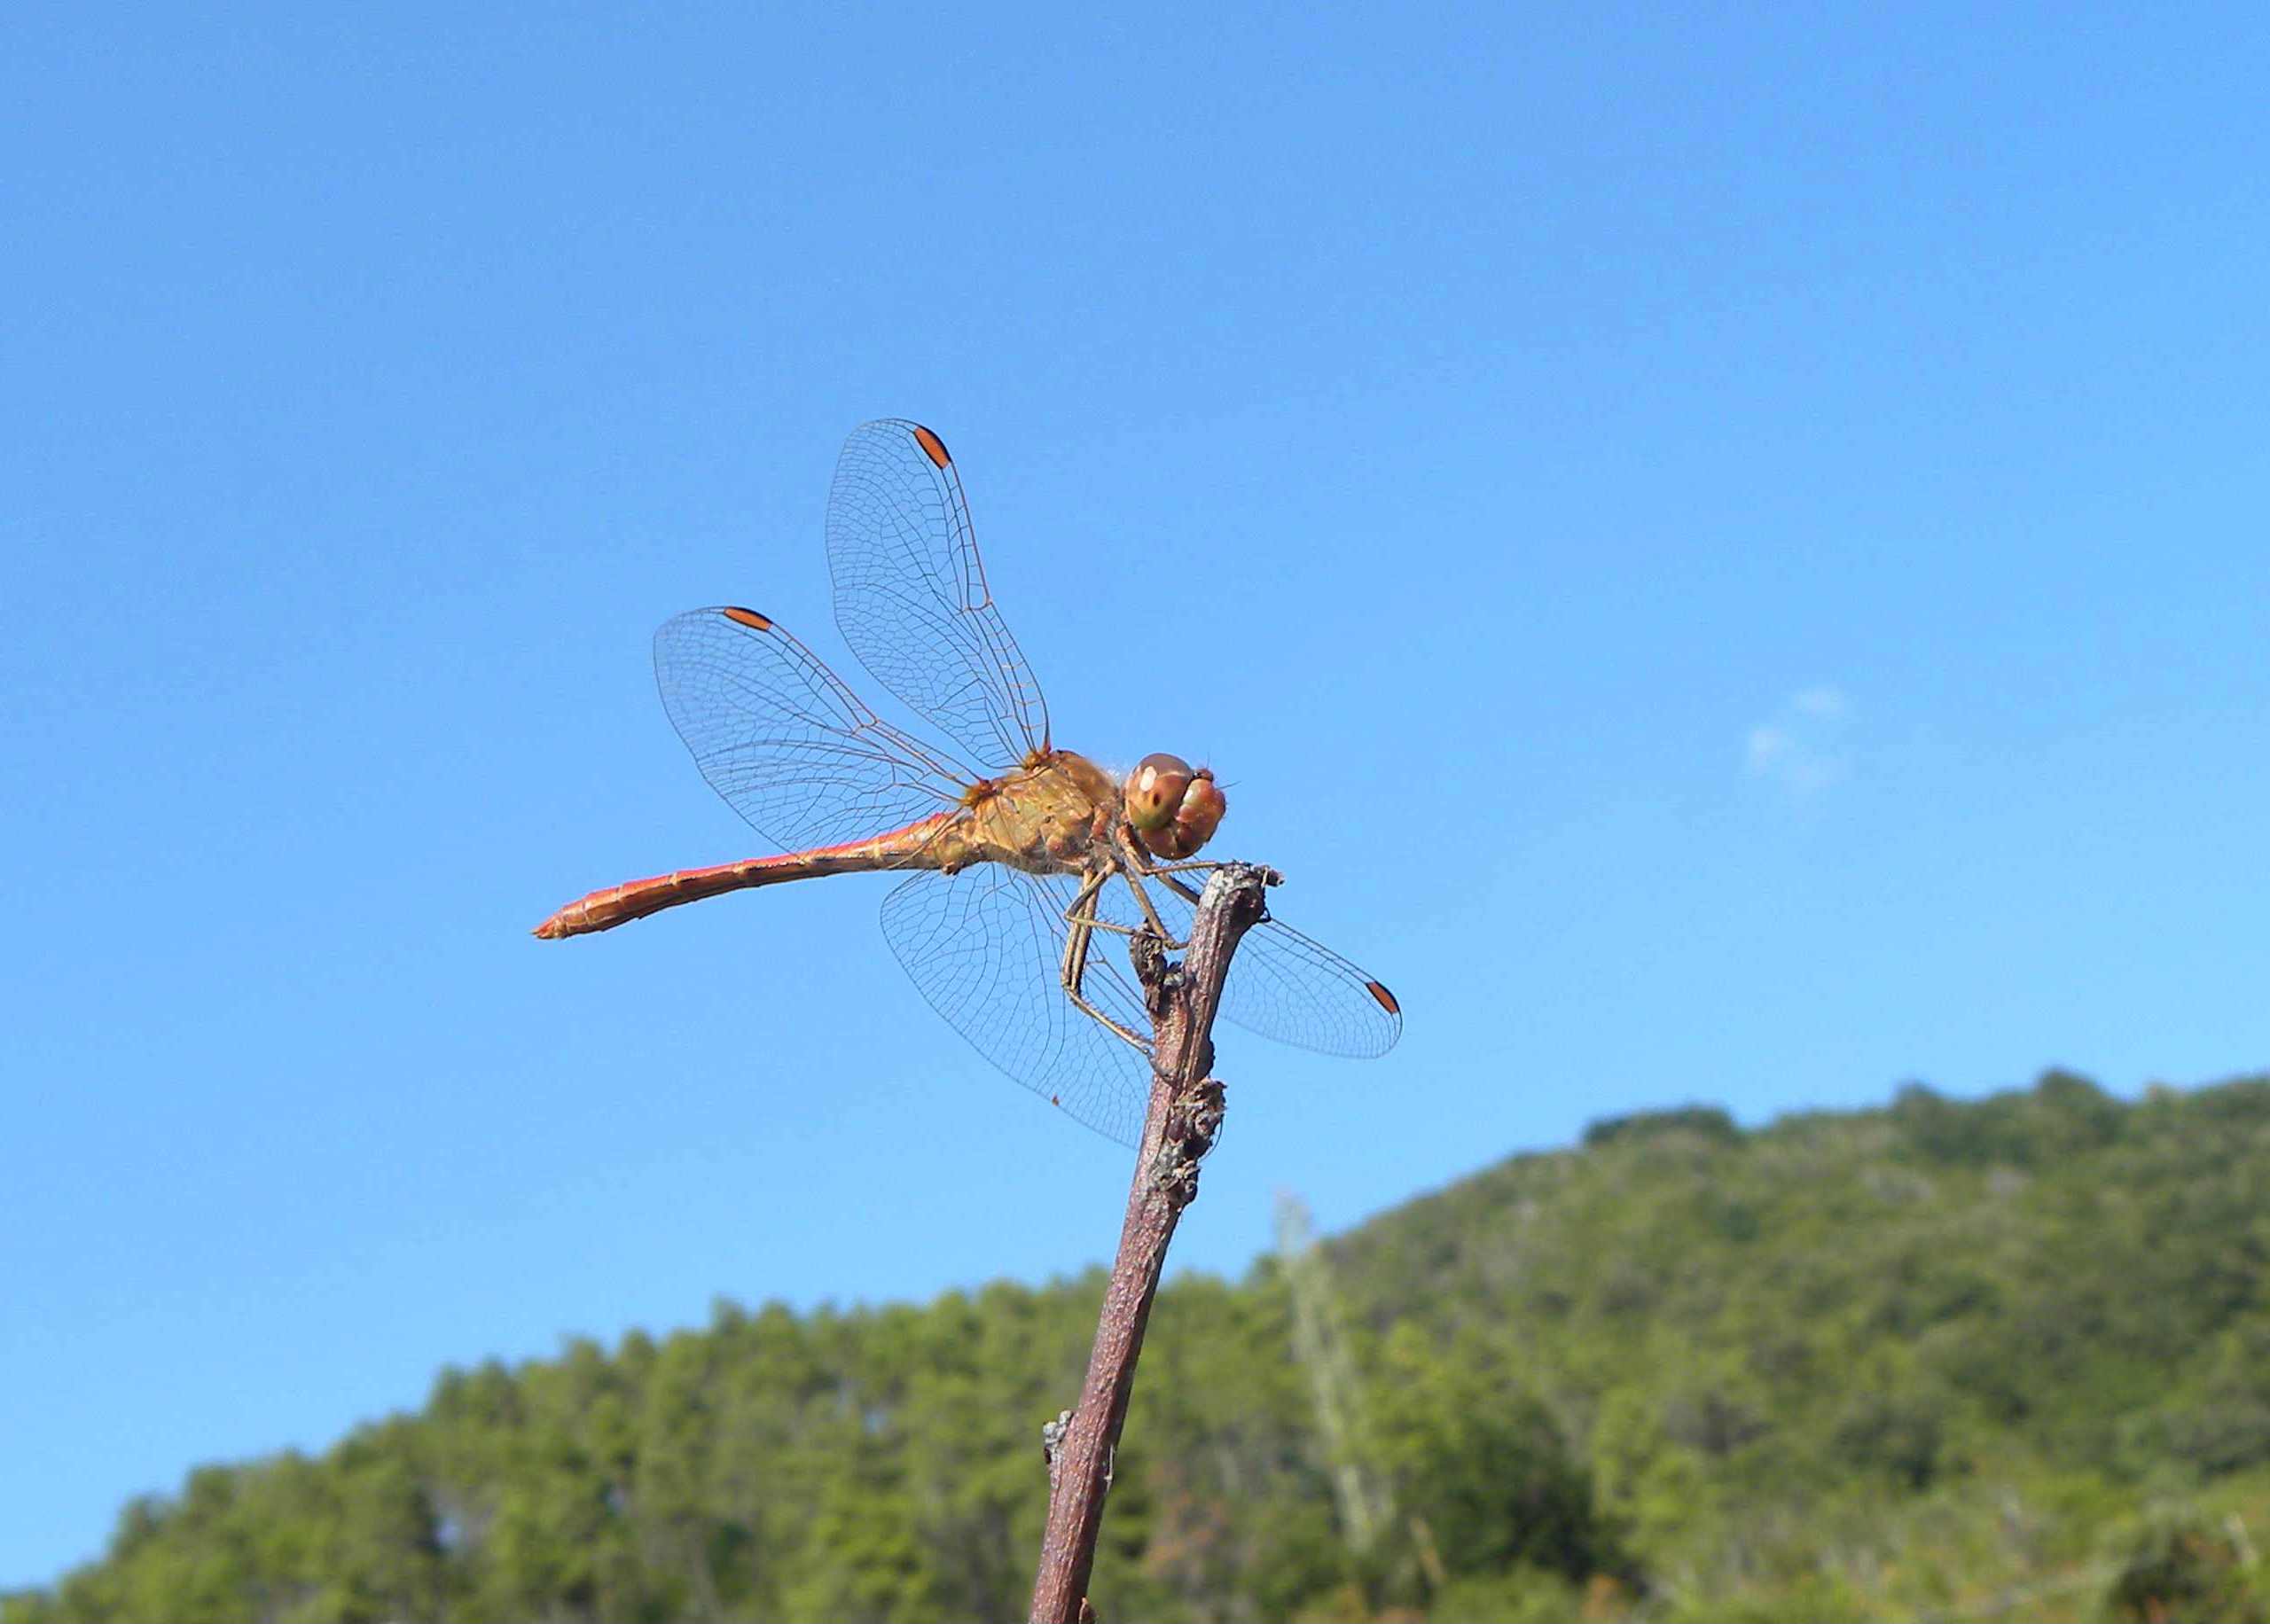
(1081, 916)
(1150, 914)
(1165, 873)
(1170, 945)
(1165, 876)
(1152, 923)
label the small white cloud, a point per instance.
(1826, 702)
(1801, 746)
(1767, 745)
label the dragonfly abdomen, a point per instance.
(916, 845)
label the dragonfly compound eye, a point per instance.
(1154, 792)
(1194, 820)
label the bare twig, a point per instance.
(1185, 1114)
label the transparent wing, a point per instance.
(1282, 984)
(784, 741)
(985, 946)
(911, 596)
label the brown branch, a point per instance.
(1185, 1112)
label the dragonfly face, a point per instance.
(1174, 807)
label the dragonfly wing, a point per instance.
(784, 741)
(911, 597)
(1285, 986)
(1282, 984)
(986, 946)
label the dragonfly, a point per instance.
(1018, 857)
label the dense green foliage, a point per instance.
(2003, 1359)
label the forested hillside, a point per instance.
(2001, 1359)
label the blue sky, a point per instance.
(1723, 553)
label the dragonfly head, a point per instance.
(1175, 807)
